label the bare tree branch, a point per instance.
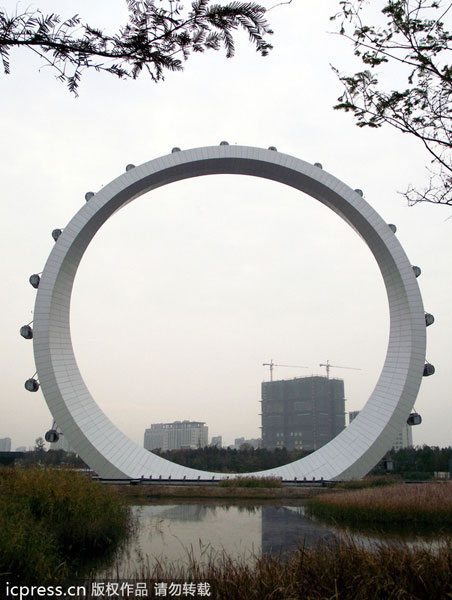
(279, 4)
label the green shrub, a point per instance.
(27, 547)
(50, 518)
(418, 475)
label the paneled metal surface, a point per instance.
(104, 447)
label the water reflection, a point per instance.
(180, 533)
(204, 532)
(287, 528)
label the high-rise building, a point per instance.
(5, 445)
(352, 415)
(302, 413)
(217, 441)
(404, 439)
(176, 436)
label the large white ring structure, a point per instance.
(111, 453)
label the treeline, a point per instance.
(410, 463)
(228, 460)
(52, 458)
(419, 462)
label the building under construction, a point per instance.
(303, 413)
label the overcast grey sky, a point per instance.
(184, 294)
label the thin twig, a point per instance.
(279, 4)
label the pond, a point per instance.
(179, 532)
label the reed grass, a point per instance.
(369, 482)
(251, 482)
(425, 504)
(50, 518)
(344, 571)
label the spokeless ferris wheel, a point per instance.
(110, 452)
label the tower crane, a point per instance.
(329, 366)
(271, 364)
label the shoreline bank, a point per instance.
(200, 492)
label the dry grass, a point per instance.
(368, 482)
(251, 482)
(421, 503)
(342, 572)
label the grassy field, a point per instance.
(51, 518)
(424, 504)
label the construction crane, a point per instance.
(328, 367)
(271, 364)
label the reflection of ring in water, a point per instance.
(287, 528)
(178, 534)
(212, 533)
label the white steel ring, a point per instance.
(111, 453)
